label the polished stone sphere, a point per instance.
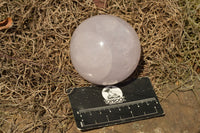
(105, 49)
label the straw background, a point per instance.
(35, 66)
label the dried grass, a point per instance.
(35, 67)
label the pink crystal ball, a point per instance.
(105, 49)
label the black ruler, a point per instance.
(98, 106)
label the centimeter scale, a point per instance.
(98, 106)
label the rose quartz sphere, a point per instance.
(105, 49)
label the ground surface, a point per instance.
(182, 115)
(35, 65)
